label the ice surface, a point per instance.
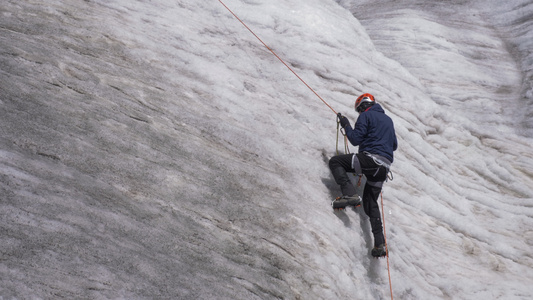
(156, 149)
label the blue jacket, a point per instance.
(374, 133)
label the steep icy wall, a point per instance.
(155, 149)
(472, 60)
(514, 22)
(149, 150)
(467, 52)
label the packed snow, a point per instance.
(156, 149)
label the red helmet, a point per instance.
(363, 102)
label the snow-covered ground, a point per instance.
(157, 150)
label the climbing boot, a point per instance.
(379, 251)
(341, 202)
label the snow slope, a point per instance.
(156, 149)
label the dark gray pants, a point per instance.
(375, 174)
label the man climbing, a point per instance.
(374, 133)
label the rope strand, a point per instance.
(346, 147)
(386, 244)
(279, 58)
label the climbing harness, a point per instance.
(380, 162)
(377, 160)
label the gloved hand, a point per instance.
(343, 120)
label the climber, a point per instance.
(374, 133)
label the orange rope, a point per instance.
(274, 53)
(386, 244)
